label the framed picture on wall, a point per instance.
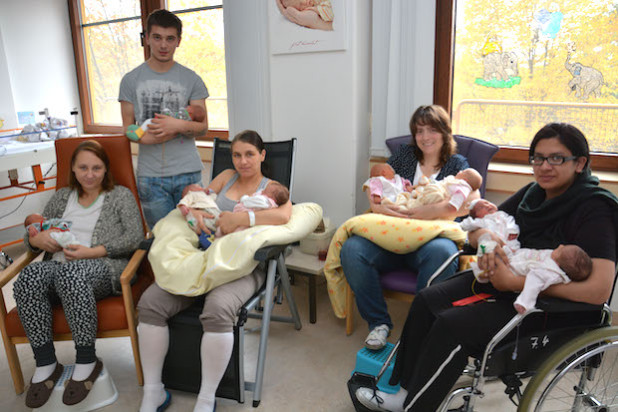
(304, 26)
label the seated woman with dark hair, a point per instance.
(222, 303)
(107, 224)
(431, 153)
(564, 206)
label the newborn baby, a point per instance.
(485, 215)
(385, 185)
(191, 112)
(454, 188)
(274, 195)
(194, 197)
(36, 223)
(541, 267)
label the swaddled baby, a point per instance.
(385, 185)
(454, 188)
(195, 197)
(36, 223)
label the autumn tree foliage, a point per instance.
(547, 38)
(113, 46)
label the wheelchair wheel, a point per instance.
(580, 376)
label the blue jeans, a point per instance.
(363, 261)
(160, 195)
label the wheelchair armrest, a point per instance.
(269, 252)
(557, 305)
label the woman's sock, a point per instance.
(153, 345)
(41, 373)
(215, 351)
(82, 371)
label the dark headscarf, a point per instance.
(541, 220)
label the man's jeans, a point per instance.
(160, 195)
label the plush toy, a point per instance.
(191, 113)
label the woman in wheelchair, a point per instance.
(564, 206)
(107, 224)
(222, 303)
(432, 153)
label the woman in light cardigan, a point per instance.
(107, 223)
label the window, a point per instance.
(539, 62)
(107, 43)
(202, 49)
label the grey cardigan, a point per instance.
(119, 228)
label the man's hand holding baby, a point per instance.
(165, 127)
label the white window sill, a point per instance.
(525, 170)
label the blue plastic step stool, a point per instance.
(370, 361)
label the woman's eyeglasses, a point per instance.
(554, 160)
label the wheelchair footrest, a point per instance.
(370, 362)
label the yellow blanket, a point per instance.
(182, 269)
(391, 233)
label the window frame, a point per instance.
(443, 87)
(147, 6)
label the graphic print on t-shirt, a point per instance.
(155, 95)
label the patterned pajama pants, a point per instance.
(77, 285)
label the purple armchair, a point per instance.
(478, 152)
(401, 284)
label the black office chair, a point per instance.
(182, 369)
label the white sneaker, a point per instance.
(376, 339)
(369, 399)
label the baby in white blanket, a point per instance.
(542, 267)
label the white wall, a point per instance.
(323, 100)
(39, 53)
(7, 108)
(247, 67)
(40, 72)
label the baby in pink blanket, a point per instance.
(456, 189)
(385, 185)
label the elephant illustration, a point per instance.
(585, 81)
(500, 65)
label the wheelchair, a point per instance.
(570, 368)
(566, 369)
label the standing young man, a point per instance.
(168, 159)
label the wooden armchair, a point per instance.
(116, 314)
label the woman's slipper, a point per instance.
(166, 402)
(76, 391)
(39, 392)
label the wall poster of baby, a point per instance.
(303, 26)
